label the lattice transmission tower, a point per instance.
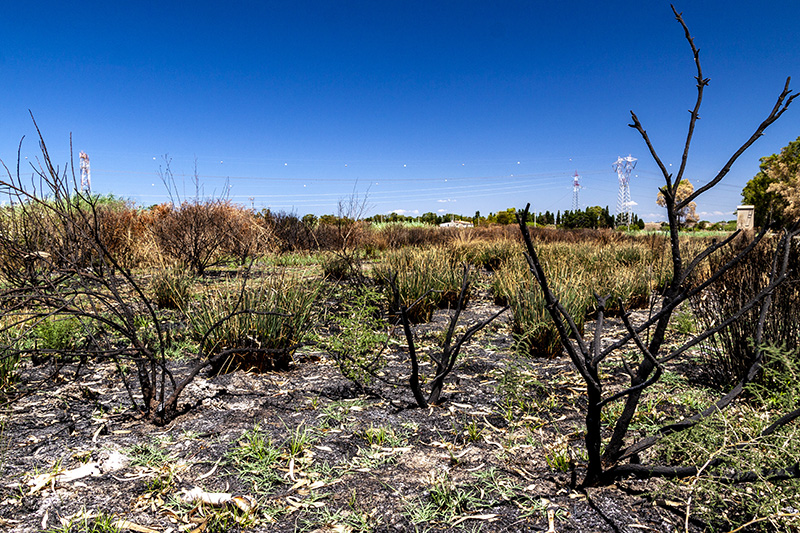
(623, 167)
(576, 189)
(86, 173)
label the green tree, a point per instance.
(770, 189)
(429, 218)
(310, 221)
(508, 216)
(593, 217)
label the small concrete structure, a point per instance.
(744, 217)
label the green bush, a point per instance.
(358, 332)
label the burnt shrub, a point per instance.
(730, 352)
(193, 233)
(290, 233)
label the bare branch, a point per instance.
(701, 84)
(781, 105)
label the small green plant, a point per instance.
(148, 454)
(351, 519)
(420, 511)
(473, 432)
(491, 481)
(58, 333)
(684, 322)
(180, 349)
(558, 461)
(372, 457)
(359, 333)
(557, 455)
(336, 413)
(383, 436)
(87, 522)
(299, 440)
(450, 499)
(256, 459)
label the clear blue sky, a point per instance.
(424, 106)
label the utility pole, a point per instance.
(623, 167)
(86, 173)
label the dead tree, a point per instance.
(60, 265)
(446, 360)
(606, 465)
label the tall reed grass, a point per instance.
(730, 353)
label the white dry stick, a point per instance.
(551, 520)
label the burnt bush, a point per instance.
(290, 233)
(194, 233)
(731, 352)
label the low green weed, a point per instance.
(383, 436)
(256, 458)
(148, 454)
(337, 413)
(450, 499)
(87, 522)
(473, 432)
(684, 322)
(733, 441)
(58, 333)
(299, 440)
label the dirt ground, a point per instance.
(342, 460)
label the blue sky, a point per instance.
(422, 106)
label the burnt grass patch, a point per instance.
(310, 451)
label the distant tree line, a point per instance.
(594, 217)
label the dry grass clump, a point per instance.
(628, 271)
(264, 326)
(431, 277)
